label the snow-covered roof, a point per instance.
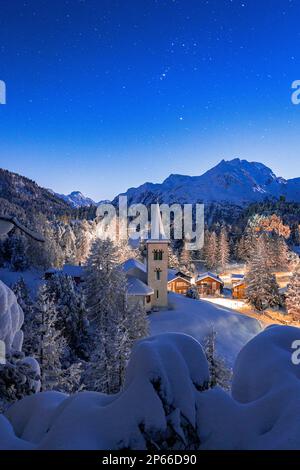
(73, 270)
(237, 276)
(133, 264)
(238, 284)
(52, 271)
(136, 287)
(296, 249)
(7, 223)
(174, 274)
(68, 270)
(180, 277)
(211, 275)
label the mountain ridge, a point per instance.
(236, 181)
(76, 199)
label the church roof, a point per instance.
(133, 264)
(136, 287)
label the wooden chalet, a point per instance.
(179, 282)
(209, 284)
(239, 290)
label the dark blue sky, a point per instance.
(106, 94)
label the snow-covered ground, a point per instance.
(164, 391)
(226, 302)
(195, 318)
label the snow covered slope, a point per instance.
(195, 318)
(237, 181)
(165, 403)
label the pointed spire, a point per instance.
(157, 228)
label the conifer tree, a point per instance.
(53, 347)
(223, 250)
(173, 259)
(293, 295)
(262, 289)
(220, 373)
(19, 259)
(186, 264)
(105, 292)
(71, 314)
(210, 250)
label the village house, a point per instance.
(179, 282)
(239, 290)
(238, 286)
(209, 284)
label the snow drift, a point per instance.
(165, 403)
(11, 319)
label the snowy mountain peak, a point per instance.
(76, 199)
(233, 181)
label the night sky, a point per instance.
(106, 94)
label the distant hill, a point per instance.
(23, 198)
(237, 182)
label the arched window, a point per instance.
(157, 255)
(158, 274)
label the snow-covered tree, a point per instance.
(220, 373)
(19, 259)
(173, 258)
(293, 295)
(26, 303)
(136, 323)
(210, 250)
(72, 318)
(53, 347)
(186, 264)
(262, 290)
(223, 250)
(240, 250)
(105, 291)
(17, 379)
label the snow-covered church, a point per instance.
(148, 283)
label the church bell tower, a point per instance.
(158, 260)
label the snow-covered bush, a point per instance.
(19, 376)
(17, 379)
(11, 318)
(193, 293)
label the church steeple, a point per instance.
(157, 259)
(157, 228)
